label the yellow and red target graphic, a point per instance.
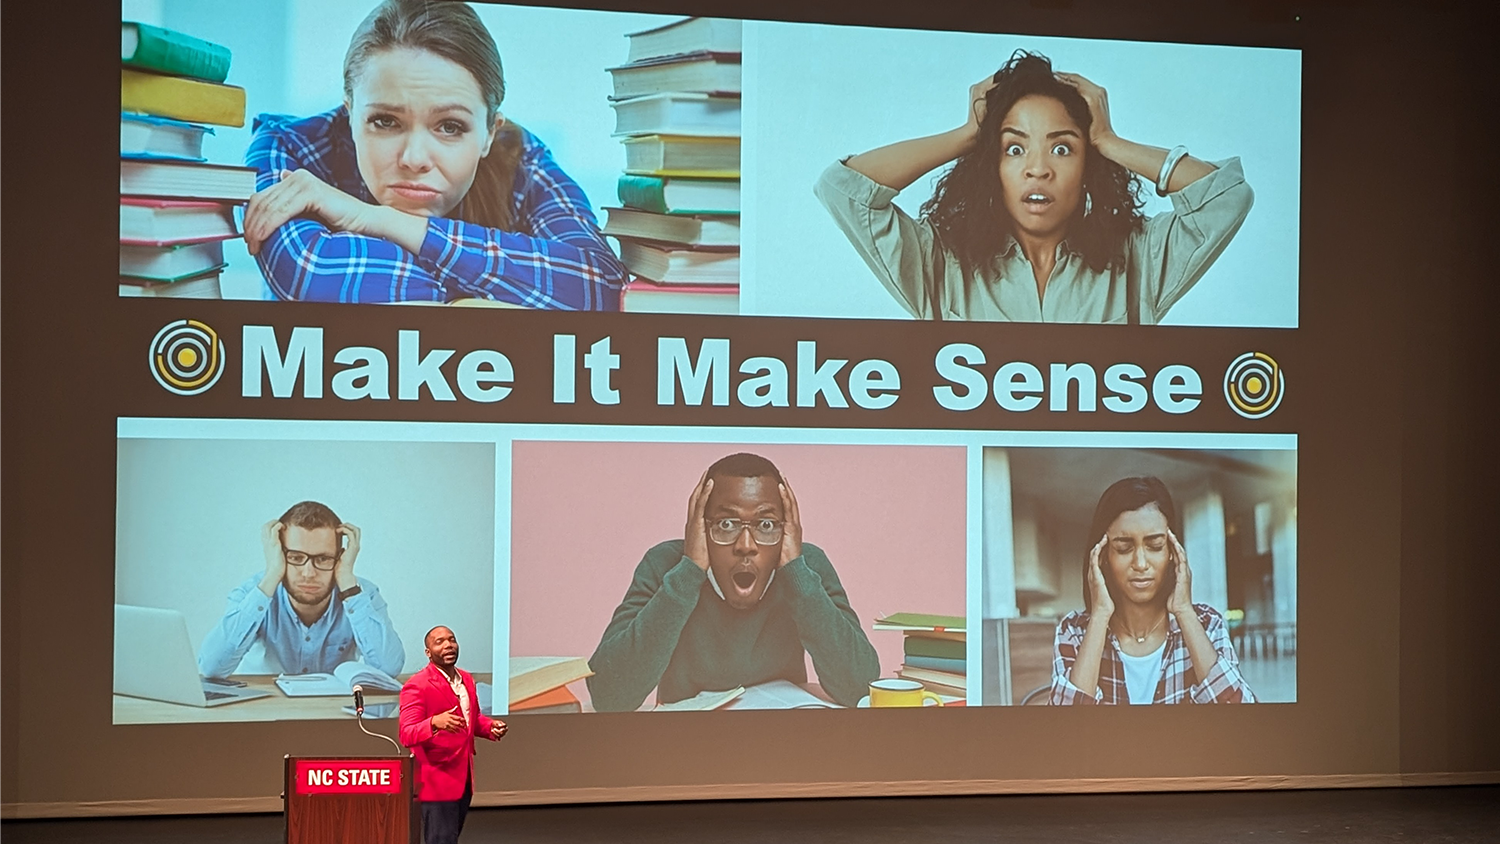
(1253, 384)
(187, 357)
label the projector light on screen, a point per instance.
(862, 382)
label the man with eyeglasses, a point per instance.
(740, 600)
(307, 607)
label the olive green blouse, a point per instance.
(1171, 252)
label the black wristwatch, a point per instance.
(349, 593)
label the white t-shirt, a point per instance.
(1142, 673)
(457, 683)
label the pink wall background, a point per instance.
(891, 519)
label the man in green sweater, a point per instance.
(736, 602)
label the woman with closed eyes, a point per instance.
(1140, 638)
(1039, 218)
(417, 188)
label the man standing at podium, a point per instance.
(439, 719)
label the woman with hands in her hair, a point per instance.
(1140, 637)
(417, 188)
(1039, 218)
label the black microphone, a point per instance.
(359, 711)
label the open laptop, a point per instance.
(154, 660)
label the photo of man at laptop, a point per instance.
(307, 608)
(307, 617)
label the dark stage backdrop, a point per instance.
(1383, 331)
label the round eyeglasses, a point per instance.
(727, 531)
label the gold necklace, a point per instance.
(1142, 638)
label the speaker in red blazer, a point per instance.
(445, 760)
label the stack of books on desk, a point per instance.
(539, 684)
(935, 650)
(677, 111)
(176, 209)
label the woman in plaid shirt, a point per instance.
(1140, 638)
(417, 188)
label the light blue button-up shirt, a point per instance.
(357, 628)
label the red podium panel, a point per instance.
(363, 799)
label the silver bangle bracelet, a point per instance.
(1177, 154)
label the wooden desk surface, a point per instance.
(276, 707)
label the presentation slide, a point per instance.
(780, 483)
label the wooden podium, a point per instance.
(355, 799)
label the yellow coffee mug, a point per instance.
(896, 692)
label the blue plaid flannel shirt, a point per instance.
(555, 259)
(1178, 682)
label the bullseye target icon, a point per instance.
(1253, 385)
(187, 357)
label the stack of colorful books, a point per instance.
(176, 209)
(935, 650)
(677, 111)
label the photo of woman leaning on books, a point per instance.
(417, 188)
(1140, 637)
(1039, 219)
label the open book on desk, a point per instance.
(338, 684)
(779, 694)
(702, 701)
(775, 694)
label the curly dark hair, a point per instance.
(966, 207)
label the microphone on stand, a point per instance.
(359, 714)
